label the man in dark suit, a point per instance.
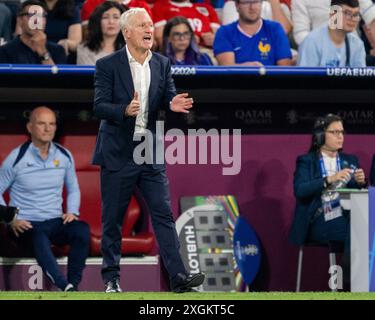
(131, 85)
(316, 172)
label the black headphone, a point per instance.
(319, 134)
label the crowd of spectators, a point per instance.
(326, 33)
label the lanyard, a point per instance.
(323, 168)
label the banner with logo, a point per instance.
(246, 250)
(269, 118)
(206, 231)
(267, 100)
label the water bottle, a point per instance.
(340, 184)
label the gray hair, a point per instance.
(127, 15)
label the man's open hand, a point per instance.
(181, 103)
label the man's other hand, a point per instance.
(69, 217)
(20, 226)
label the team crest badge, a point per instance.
(264, 48)
(203, 10)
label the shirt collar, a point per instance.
(132, 60)
(326, 156)
(245, 34)
(51, 149)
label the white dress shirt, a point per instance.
(141, 75)
(330, 163)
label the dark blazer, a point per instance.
(308, 187)
(114, 91)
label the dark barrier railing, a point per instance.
(198, 70)
(256, 100)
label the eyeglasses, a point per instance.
(181, 35)
(33, 14)
(250, 2)
(336, 133)
(353, 16)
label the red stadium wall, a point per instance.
(263, 190)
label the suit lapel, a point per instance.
(317, 173)
(125, 74)
(155, 78)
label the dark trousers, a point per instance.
(117, 188)
(76, 234)
(337, 230)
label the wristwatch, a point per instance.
(46, 56)
(325, 182)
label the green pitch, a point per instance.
(18, 295)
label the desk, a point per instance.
(361, 237)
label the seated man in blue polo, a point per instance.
(334, 45)
(35, 174)
(32, 47)
(252, 41)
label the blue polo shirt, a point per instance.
(318, 50)
(269, 45)
(36, 185)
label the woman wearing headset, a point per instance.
(319, 216)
